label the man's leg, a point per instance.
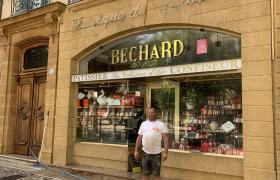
(156, 165)
(146, 166)
(157, 178)
(146, 177)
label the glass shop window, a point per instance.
(204, 113)
(36, 58)
(159, 48)
(110, 112)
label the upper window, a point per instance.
(36, 57)
(162, 48)
(22, 6)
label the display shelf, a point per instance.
(110, 117)
(109, 106)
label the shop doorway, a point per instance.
(30, 117)
(165, 98)
(155, 99)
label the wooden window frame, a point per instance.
(30, 46)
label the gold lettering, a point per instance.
(171, 70)
(99, 76)
(176, 53)
(89, 77)
(215, 66)
(234, 64)
(154, 52)
(202, 67)
(189, 68)
(222, 65)
(196, 66)
(181, 71)
(115, 54)
(105, 76)
(76, 78)
(166, 50)
(131, 54)
(124, 55)
(141, 52)
(208, 66)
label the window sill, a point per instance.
(206, 154)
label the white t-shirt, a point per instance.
(152, 136)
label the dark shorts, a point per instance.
(151, 164)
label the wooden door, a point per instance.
(30, 115)
(38, 119)
(24, 116)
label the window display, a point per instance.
(210, 114)
(110, 112)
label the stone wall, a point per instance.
(250, 19)
(15, 33)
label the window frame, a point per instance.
(30, 46)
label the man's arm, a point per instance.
(138, 144)
(165, 152)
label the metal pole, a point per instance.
(43, 136)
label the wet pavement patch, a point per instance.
(13, 177)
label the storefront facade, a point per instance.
(135, 50)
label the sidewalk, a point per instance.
(90, 172)
(11, 170)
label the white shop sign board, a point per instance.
(161, 71)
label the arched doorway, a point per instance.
(31, 90)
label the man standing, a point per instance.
(150, 135)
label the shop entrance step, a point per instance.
(19, 159)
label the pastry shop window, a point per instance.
(110, 112)
(204, 113)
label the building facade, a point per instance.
(96, 66)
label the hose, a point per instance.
(62, 172)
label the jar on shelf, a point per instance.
(211, 100)
(205, 120)
(238, 103)
(123, 135)
(210, 110)
(197, 135)
(124, 102)
(186, 121)
(226, 101)
(199, 120)
(213, 126)
(231, 101)
(237, 119)
(222, 111)
(190, 104)
(85, 132)
(233, 106)
(205, 110)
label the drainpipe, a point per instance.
(274, 78)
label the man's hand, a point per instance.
(136, 155)
(164, 156)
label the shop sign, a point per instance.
(161, 71)
(77, 22)
(186, 2)
(126, 54)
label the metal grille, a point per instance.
(21, 6)
(36, 57)
(73, 1)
